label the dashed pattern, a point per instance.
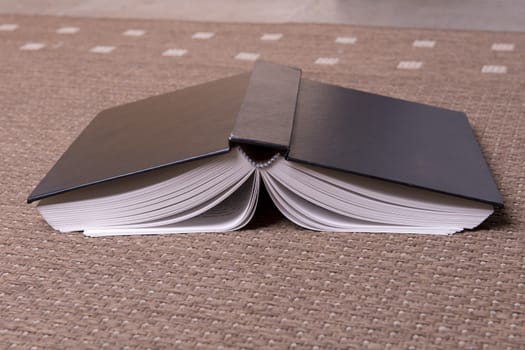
(327, 61)
(102, 49)
(502, 47)
(411, 65)
(203, 35)
(424, 43)
(271, 36)
(68, 30)
(8, 27)
(247, 56)
(134, 32)
(272, 284)
(346, 40)
(175, 52)
(252, 56)
(32, 46)
(494, 69)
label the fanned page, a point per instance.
(322, 199)
(212, 194)
(231, 214)
(219, 193)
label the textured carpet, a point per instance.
(272, 284)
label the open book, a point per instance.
(220, 194)
(331, 159)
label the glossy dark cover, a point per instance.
(266, 115)
(331, 126)
(155, 132)
(390, 139)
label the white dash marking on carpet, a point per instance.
(175, 52)
(410, 65)
(348, 40)
(247, 56)
(32, 46)
(429, 44)
(67, 30)
(102, 49)
(327, 61)
(203, 35)
(134, 32)
(271, 36)
(8, 27)
(495, 69)
(502, 47)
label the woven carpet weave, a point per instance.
(273, 284)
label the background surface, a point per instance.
(273, 284)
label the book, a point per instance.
(331, 158)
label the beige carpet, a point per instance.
(272, 285)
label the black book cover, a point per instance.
(308, 121)
(390, 139)
(148, 134)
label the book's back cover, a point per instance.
(390, 139)
(158, 131)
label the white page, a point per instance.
(343, 202)
(231, 214)
(192, 188)
(326, 199)
(310, 216)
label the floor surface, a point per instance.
(271, 285)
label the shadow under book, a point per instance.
(331, 158)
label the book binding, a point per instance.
(267, 112)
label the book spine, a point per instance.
(267, 112)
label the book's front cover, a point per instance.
(390, 139)
(148, 134)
